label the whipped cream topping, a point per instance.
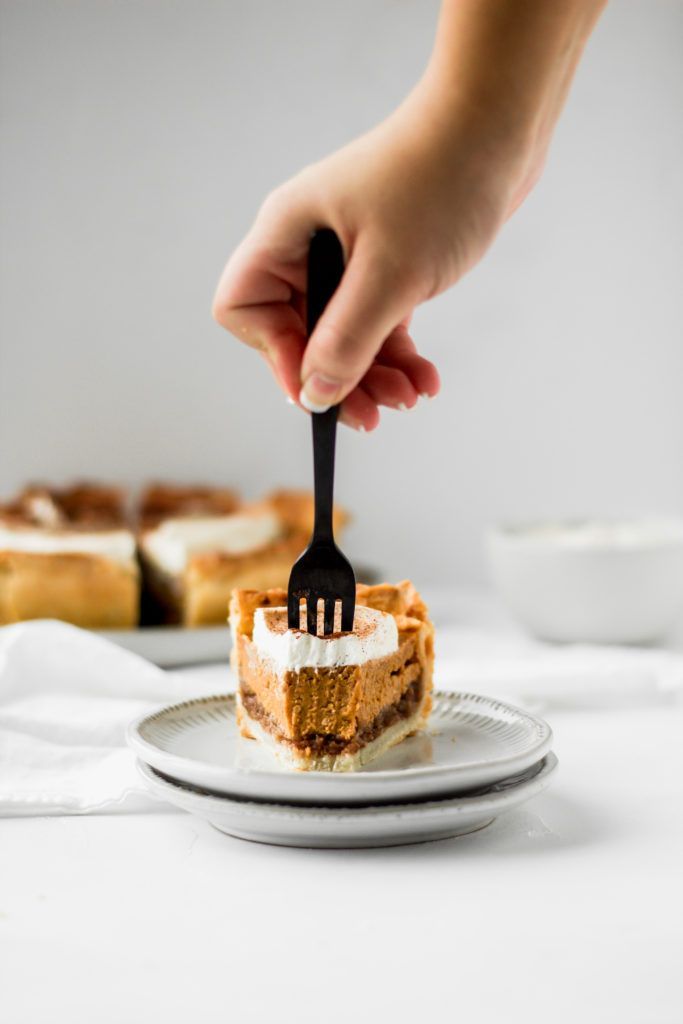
(42, 508)
(173, 541)
(374, 635)
(117, 545)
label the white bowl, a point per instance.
(618, 581)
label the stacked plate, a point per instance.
(478, 759)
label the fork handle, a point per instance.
(325, 271)
(324, 439)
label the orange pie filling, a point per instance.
(333, 703)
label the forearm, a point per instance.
(506, 65)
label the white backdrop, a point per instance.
(138, 139)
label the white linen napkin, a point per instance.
(66, 699)
(508, 664)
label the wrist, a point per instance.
(457, 107)
(471, 140)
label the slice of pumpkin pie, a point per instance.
(69, 554)
(336, 702)
(195, 554)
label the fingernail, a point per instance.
(311, 406)
(353, 425)
(425, 394)
(319, 392)
(290, 400)
(402, 407)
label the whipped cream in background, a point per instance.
(375, 635)
(43, 510)
(117, 545)
(617, 533)
(172, 542)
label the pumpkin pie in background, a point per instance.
(198, 544)
(69, 554)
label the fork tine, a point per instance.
(312, 614)
(347, 610)
(293, 610)
(330, 605)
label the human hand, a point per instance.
(411, 221)
(415, 203)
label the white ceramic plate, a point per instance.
(471, 741)
(385, 825)
(168, 646)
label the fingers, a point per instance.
(389, 386)
(372, 298)
(357, 354)
(277, 331)
(359, 411)
(400, 352)
(285, 350)
(399, 376)
(258, 298)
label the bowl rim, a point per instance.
(555, 533)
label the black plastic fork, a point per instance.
(322, 572)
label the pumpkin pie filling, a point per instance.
(320, 743)
(337, 702)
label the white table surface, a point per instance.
(569, 909)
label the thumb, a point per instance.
(371, 300)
